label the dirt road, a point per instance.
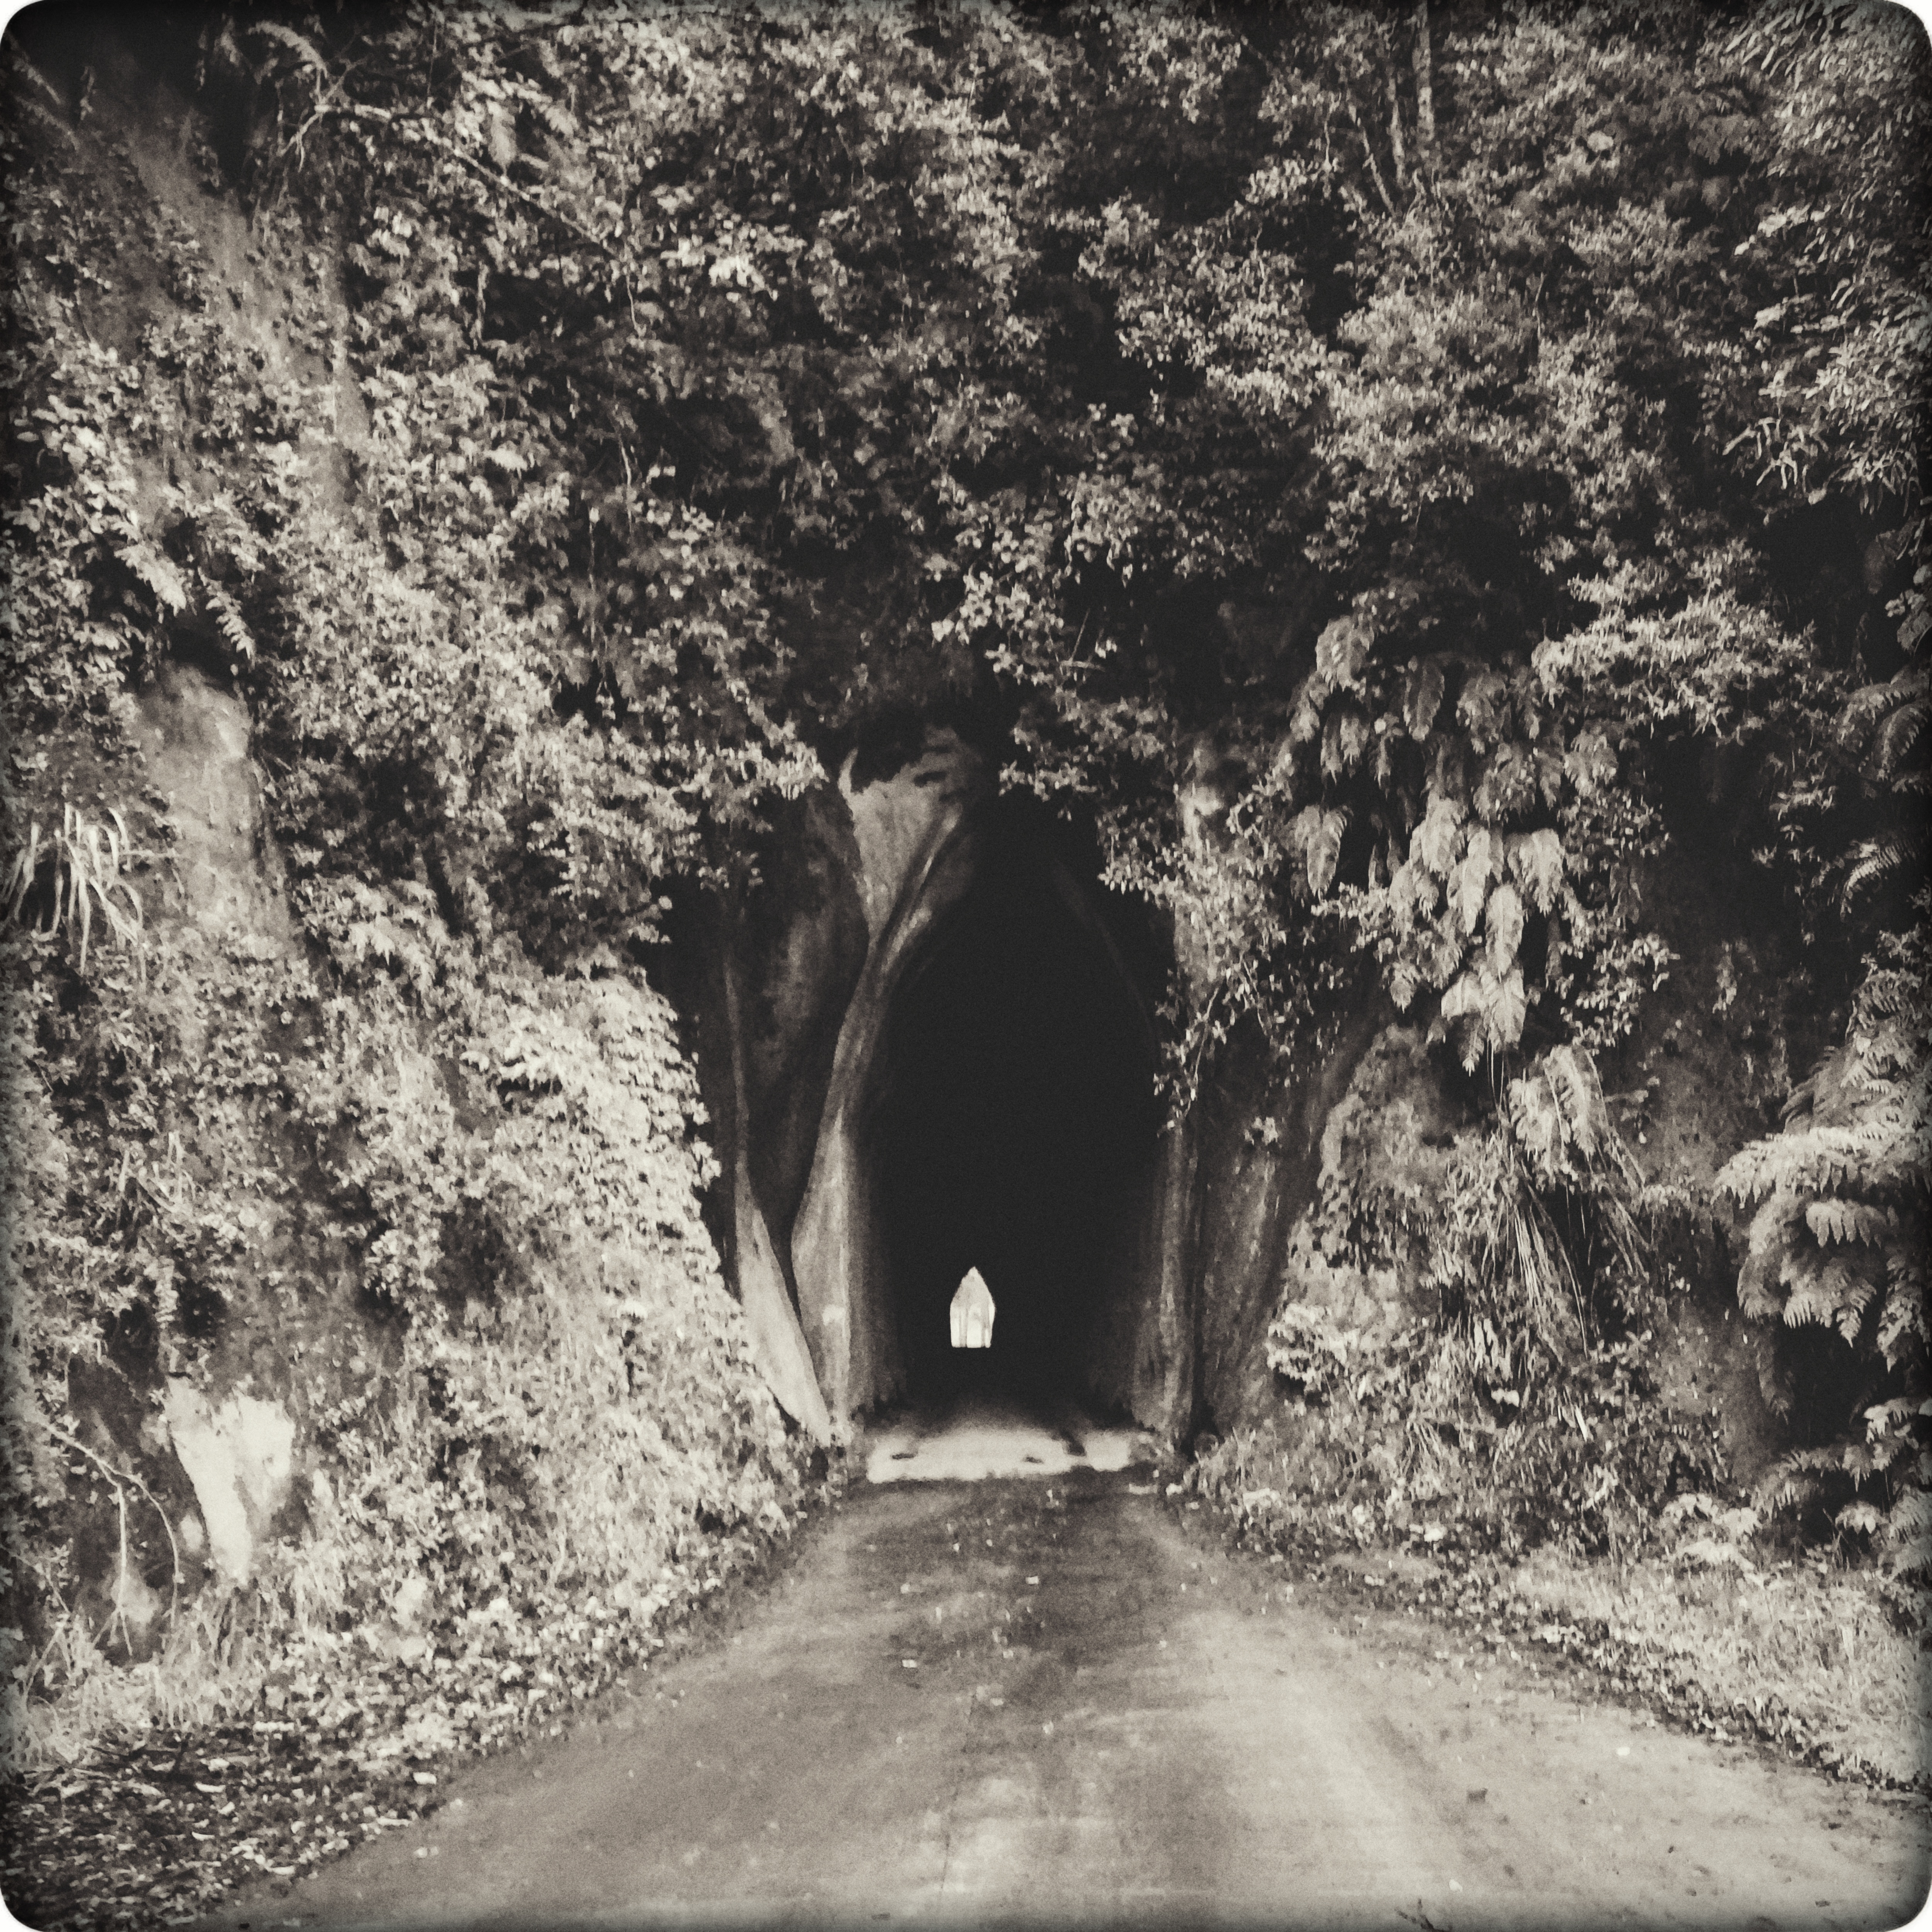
(1057, 1698)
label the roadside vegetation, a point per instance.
(1713, 1626)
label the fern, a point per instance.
(298, 44)
(229, 620)
(157, 573)
(1839, 1224)
(1882, 727)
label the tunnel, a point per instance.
(1011, 1125)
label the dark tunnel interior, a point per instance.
(1012, 1126)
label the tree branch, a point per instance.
(1368, 152)
(1398, 154)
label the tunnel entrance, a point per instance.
(1012, 1127)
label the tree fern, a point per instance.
(1883, 726)
(1841, 1200)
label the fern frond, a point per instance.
(1774, 1380)
(158, 572)
(1911, 1515)
(1853, 1293)
(1788, 1484)
(1886, 991)
(229, 620)
(1895, 738)
(1837, 1222)
(1901, 1325)
(1873, 859)
(1912, 1558)
(285, 36)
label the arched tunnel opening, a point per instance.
(1012, 1126)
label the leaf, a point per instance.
(1305, 725)
(1505, 1007)
(1342, 740)
(1536, 864)
(1483, 706)
(1590, 762)
(1839, 1221)
(1550, 777)
(1502, 925)
(1436, 841)
(1342, 649)
(1416, 889)
(1507, 788)
(1463, 999)
(157, 573)
(1324, 849)
(1468, 889)
(1422, 698)
(229, 621)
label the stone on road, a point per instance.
(1061, 1699)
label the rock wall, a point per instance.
(913, 834)
(225, 1120)
(216, 1447)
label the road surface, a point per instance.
(1055, 1697)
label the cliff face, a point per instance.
(357, 1281)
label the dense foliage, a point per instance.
(425, 1171)
(1392, 474)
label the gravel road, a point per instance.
(1060, 1698)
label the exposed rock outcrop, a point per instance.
(913, 830)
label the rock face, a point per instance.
(224, 889)
(1224, 1216)
(195, 740)
(240, 1456)
(915, 853)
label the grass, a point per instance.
(84, 1701)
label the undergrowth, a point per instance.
(1796, 1647)
(379, 1137)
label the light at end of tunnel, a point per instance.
(972, 1312)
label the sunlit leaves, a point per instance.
(1590, 762)
(1341, 649)
(1502, 927)
(1438, 839)
(1345, 737)
(1468, 885)
(1536, 863)
(1323, 845)
(1483, 706)
(1491, 1008)
(1422, 698)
